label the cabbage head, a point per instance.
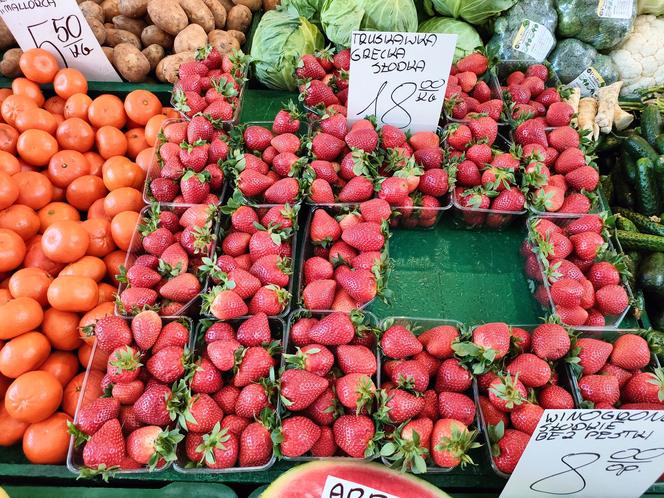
(341, 17)
(472, 11)
(281, 38)
(309, 9)
(468, 40)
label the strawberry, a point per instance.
(269, 299)
(181, 289)
(532, 371)
(257, 137)
(576, 203)
(313, 358)
(505, 393)
(600, 389)
(612, 300)
(167, 365)
(475, 62)
(106, 447)
(519, 93)
(360, 284)
(452, 376)
(112, 332)
(254, 331)
(457, 406)
(341, 60)
(354, 435)
(438, 341)
(364, 139)
(399, 342)
(559, 114)
(324, 228)
(297, 436)
(324, 409)
(484, 128)
(491, 414)
(325, 445)
(309, 68)
(202, 414)
(550, 341)
(255, 445)
(128, 392)
(365, 236)
(450, 442)
(286, 121)
(410, 374)
(123, 365)
(219, 331)
(252, 400)
(509, 200)
(319, 294)
(217, 450)
(255, 364)
(394, 190)
(207, 378)
(492, 336)
(531, 131)
(92, 416)
(459, 136)
(317, 268)
(174, 260)
(622, 375)
(252, 183)
(583, 178)
(227, 305)
(244, 284)
(355, 391)
(402, 405)
(300, 388)
(222, 353)
(434, 182)
(566, 292)
(564, 137)
(172, 334)
(593, 354)
(555, 397)
(507, 448)
(157, 241)
(630, 352)
(226, 398)
(645, 387)
(356, 359)
(526, 417)
(317, 92)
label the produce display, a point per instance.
(191, 285)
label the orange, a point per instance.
(101, 238)
(24, 353)
(68, 82)
(30, 282)
(61, 329)
(38, 65)
(123, 199)
(66, 166)
(84, 191)
(123, 227)
(47, 442)
(33, 397)
(36, 147)
(12, 250)
(35, 189)
(107, 110)
(56, 211)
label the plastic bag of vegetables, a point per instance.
(580, 65)
(602, 24)
(472, 11)
(525, 32)
(468, 40)
(341, 17)
(281, 38)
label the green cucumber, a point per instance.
(632, 260)
(659, 143)
(642, 223)
(629, 166)
(637, 147)
(640, 241)
(606, 184)
(608, 143)
(624, 223)
(647, 192)
(623, 193)
(651, 123)
(651, 274)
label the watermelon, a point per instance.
(309, 480)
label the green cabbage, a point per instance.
(341, 17)
(281, 38)
(468, 40)
(306, 8)
(472, 11)
(654, 7)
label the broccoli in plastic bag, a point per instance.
(525, 32)
(602, 23)
(579, 64)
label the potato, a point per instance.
(110, 8)
(133, 8)
(167, 69)
(108, 52)
(154, 35)
(109, 25)
(270, 4)
(218, 12)
(168, 15)
(6, 38)
(190, 39)
(135, 26)
(130, 62)
(116, 36)
(98, 29)
(239, 18)
(9, 65)
(92, 10)
(254, 5)
(198, 13)
(154, 53)
(238, 35)
(223, 41)
(227, 4)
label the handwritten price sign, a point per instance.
(591, 453)
(399, 77)
(59, 27)
(335, 487)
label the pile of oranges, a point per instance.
(72, 168)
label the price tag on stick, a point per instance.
(59, 27)
(591, 454)
(399, 77)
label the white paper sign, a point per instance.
(534, 40)
(399, 77)
(59, 27)
(615, 9)
(336, 487)
(591, 454)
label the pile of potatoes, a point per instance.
(140, 37)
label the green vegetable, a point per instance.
(507, 26)
(579, 19)
(631, 260)
(281, 38)
(654, 7)
(608, 143)
(659, 143)
(651, 274)
(647, 193)
(651, 123)
(623, 193)
(629, 166)
(606, 184)
(624, 223)
(472, 11)
(637, 147)
(468, 40)
(341, 17)
(571, 57)
(309, 9)
(640, 241)
(641, 222)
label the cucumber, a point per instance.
(629, 166)
(651, 123)
(606, 184)
(623, 193)
(608, 143)
(659, 143)
(642, 223)
(624, 223)
(637, 147)
(659, 175)
(640, 241)
(651, 274)
(632, 259)
(647, 192)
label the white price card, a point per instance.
(335, 487)
(399, 77)
(591, 454)
(59, 27)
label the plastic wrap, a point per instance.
(603, 24)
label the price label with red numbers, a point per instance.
(59, 27)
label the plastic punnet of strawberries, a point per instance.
(345, 261)
(517, 380)
(576, 272)
(189, 157)
(266, 164)
(162, 270)
(231, 412)
(211, 85)
(616, 369)
(127, 421)
(252, 270)
(426, 402)
(327, 387)
(471, 89)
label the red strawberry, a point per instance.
(354, 435)
(491, 414)
(106, 446)
(163, 189)
(438, 341)
(459, 136)
(319, 294)
(559, 114)
(532, 371)
(402, 405)
(531, 131)
(94, 415)
(167, 365)
(508, 447)
(456, 406)
(450, 442)
(645, 387)
(252, 183)
(157, 241)
(475, 62)
(566, 292)
(181, 289)
(365, 236)
(152, 407)
(612, 300)
(123, 365)
(359, 284)
(333, 329)
(325, 445)
(172, 334)
(324, 228)
(309, 68)
(298, 435)
(207, 378)
(505, 393)
(555, 397)
(600, 389)
(255, 445)
(493, 336)
(257, 137)
(630, 352)
(357, 189)
(484, 128)
(256, 364)
(593, 354)
(365, 139)
(227, 305)
(222, 353)
(399, 342)
(204, 414)
(254, 331)
(550, 341)
(583, 178)
(112, 332)
(269, 299)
